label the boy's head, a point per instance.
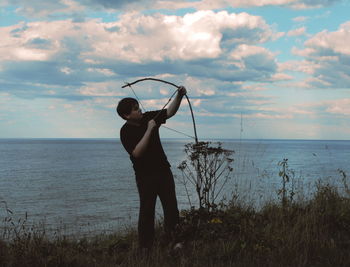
(128, 109)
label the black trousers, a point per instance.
(150, 186)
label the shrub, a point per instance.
(208, 169)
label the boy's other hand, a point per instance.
(151, 124)
(182, 90)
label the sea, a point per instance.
(85, 187)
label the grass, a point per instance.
(315, 232)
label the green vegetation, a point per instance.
(312, 232)
(207, 169)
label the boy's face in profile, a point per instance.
(135, 114)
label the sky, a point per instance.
(253, 69)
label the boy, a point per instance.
(140, 138)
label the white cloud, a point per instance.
(304, 66)
(335, 41)
(101, 89)
(254, 87)
(199, 87)
(252, 57)
(15, 40)
(38, 8)
(341, 107)
(300, 19)
(104, 71)
(281, 77)
(328, 56)
(244, 50)
(154, 104)
(305, 4)
(66, 70)
(324, 108)
(197, 43)
(209, 4)
(302, 52)
(29, 54)
(297, 32)
(195, 35)
(76, 8)
(140, 38)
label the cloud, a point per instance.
(48, 8)
(101, 89)
(76, 9)
(328, 55)
(209, 4)
(201, 34)
(253, 57)
(336, 109)
(300, 19)
(281, 77)
(297, 32)
(112, 4)
(335, 42)
(340, 107)
(72, 54)
(303, 4)
(304, 66)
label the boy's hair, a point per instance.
(125, 106)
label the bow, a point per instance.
(188, 100)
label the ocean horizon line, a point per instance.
(170, 138)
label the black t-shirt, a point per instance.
(154, 156)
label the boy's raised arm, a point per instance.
(175, 104)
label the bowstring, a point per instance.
(176, 131)
(144, 110)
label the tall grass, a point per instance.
(313, 233)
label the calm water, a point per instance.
(85, 186)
